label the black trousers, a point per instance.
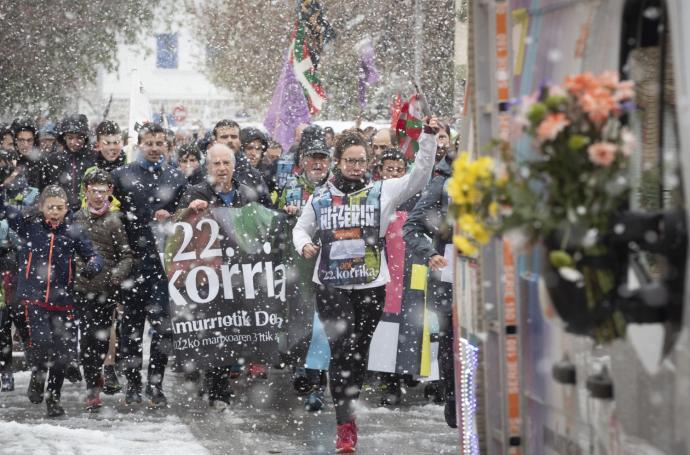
(52, 344)
(11, 313)
(148, 299)
(441, 301)
(446, 358)
(95, 313)
(349, 318)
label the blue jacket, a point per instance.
(141, 192)
(46, 258)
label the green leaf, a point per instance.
(537, 113)
(577, 142)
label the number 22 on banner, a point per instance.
(188, 235)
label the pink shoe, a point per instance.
(346, 438)
(258, 371)
(93, 400)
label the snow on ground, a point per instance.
(102, 438)
(265, 418)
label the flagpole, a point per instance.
(418, 35)
(134, 87)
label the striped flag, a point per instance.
(409, 127)
(310, 34)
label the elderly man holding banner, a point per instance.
(227, 280)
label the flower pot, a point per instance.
(586, 297)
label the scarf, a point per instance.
(149, 166)
(99, 212)
(346, 185)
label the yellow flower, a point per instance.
(464, 245)
(467, 222)
(481, 235)
(493, 209)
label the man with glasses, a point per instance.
(149, 191)
(343, 225)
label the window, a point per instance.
(166, 50)
(646, 59)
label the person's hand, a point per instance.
(11, 177)
(431, 125)
(198, 205)
(161, 215)
(437, 262)
(291, 209)
(310, 250)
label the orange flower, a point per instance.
(598, 104)
(625, 91)
(581, 83)
(602, 153)
(609, 79)
(551, 126)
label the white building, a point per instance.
(169, 63)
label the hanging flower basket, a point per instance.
(583, 287)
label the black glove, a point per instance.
(90, 270)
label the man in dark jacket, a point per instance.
(219, 190)
(189, 162)
(148, 191)
(227, 132)
(30, 163)
(428, 220)
(6, 137)
(66, 168)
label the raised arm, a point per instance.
(405, 187)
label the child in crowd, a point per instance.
(96, 297)
(48, 244)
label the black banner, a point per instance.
(227, 284)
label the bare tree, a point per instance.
(247, 41)
(52, 48)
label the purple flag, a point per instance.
(288, 107)
(368, 75)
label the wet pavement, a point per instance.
(266, 417)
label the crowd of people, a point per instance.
(81, 271)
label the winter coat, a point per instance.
(205, 191)
(110, 166)
(428, 220)
(251, 177)
(67, 169)
(142, 190)
(20, 195)
(108, 236)
(46, 258)
(34, 170)
(197, 177)
(428, 217)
